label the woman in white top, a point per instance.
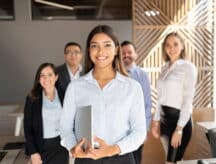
(116, 101)
(176, 87)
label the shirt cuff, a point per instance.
(123, 148)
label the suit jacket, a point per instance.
(33, 124)
(64, 78)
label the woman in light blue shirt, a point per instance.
(116, 100)
(42, 119)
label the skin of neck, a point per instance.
(173, 61)
(128, 66)
(50, 93)
(105, 73)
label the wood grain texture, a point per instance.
(194, 21)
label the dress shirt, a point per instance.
(118, 111)
(76, 75)
(51, 114)
(176, 88)
(140, 76)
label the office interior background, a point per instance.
(33, 32)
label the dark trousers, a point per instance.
(118, 159)
(53, 152)
(168, 124)
(138, 154)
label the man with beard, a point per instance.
(129, 56)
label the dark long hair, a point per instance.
(37, 88)
(117, 62)
(165, 56)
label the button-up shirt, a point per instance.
(76, 75)
(118, 111)
(176, 87)
(51, 112)
(139, 75)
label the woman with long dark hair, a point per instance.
(42, 113)
(116, 101)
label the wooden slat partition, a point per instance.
(193, 20)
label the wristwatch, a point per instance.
(179, 131)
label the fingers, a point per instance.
(176, 141)
(37, 161)
(81, 142)
(99, 140)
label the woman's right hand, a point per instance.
(155, 129)
(78, 151)
(36, 158)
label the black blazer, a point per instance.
(33, 124)
(64, 78)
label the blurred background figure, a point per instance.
(72, 68)
(129, 56)
(176, 87)
(42, 114)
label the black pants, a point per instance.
(118, 159)
(53, 152)
(138, 154)
(168, 124)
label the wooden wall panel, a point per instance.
(194, 21)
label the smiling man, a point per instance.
(129, 56)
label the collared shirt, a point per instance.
(176, 88)
(118, 111)
(76, 75)
(51, 114)
(139, 75)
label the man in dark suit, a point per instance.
(72, 68)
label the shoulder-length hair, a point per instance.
(117, 62)
(37, 88)
(165, 55)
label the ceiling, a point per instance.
(82, 9)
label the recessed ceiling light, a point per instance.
(55, 4)
(152, 13)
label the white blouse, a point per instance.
(176, 88)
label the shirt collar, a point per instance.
(77, 74)
(177, 62)
(89, 76)
(131, 68)
(79, 68)
(55, 98)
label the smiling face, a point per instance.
(48, 78)
(128, 54)
(173, 48)
(102, 51)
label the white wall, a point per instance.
(25, 44)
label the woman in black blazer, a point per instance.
(42, 114)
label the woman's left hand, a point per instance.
(104, 149)
(176, 139)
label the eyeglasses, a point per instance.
(72, 53)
